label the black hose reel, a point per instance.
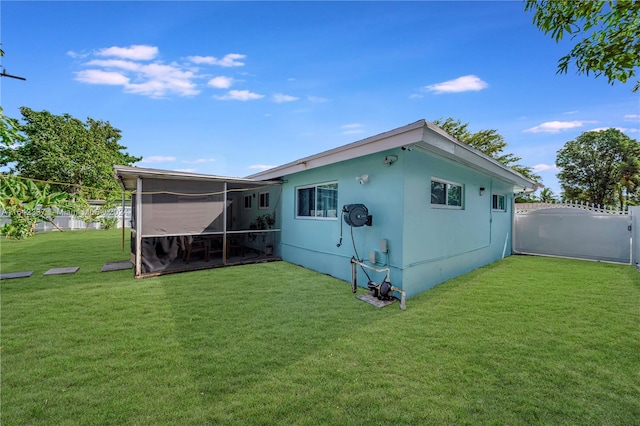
(356, 215)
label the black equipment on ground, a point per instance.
(381, 291)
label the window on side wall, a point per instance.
(446, 194)
(247, 201)
(498, 202)
(263, 200)
(317, 201)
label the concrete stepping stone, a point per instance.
(61, 271)
(11, 275)
(116, 266)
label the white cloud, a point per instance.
(352, 129)
(229, 60)
(136, 69)
(416, 96)
(622, 129)
(200, 161)
(158, 80)
(157, 159)
(185, 170)
(116, 63)
(281, 98)
(155, 79)
(557, 126)
(317, 99)
(136, 52)
(77, 55)
(461, 84)
(111, 78)
(239, 95)
(220, 82)
(261, 167)
(632, 117)
(545, 168)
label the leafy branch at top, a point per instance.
(610, 32)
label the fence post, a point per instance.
(634, 212)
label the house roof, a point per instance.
(420, 135)
(128, 176)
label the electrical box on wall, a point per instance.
(384, 245)
(372, 256)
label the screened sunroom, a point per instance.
(185, 221)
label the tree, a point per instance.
(610, 31)
(26, 203)
(547, 195)
(600, 167)
(489, 142)
(61, 148)
(9, 131)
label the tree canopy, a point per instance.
(610, 32)
(601, 167)
(61, 148)
(26, 203)
(489, 142)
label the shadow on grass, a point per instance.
(255, 320)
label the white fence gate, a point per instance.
(578, 231)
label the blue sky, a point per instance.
(231, 88)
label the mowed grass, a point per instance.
(526, 340)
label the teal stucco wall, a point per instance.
(442, 243)
(427, 245)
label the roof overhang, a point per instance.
(128, 176)
(421, 135)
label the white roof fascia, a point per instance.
(128, 174)
(424, 136)
(447, 146)
(406, 135)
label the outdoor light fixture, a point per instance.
(390, 159)
(362, 179)
(481, 190)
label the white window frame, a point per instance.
(263, 200)
(315, 216)
(447, 184)
(247, 201)
(497, 197)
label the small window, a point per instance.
(263, 202)
(498, 203)
(318, 201)
(446, 194)
(247, 201)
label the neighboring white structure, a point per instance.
(67, 221)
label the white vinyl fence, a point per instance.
(67, 221)
(579, 231)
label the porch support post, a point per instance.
(138, 266)
(122, 221)
(224, 225)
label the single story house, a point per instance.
(436, 208)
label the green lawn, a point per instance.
(523, 341)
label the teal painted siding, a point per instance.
(313, 243)
(442, 243)
(427, 245)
